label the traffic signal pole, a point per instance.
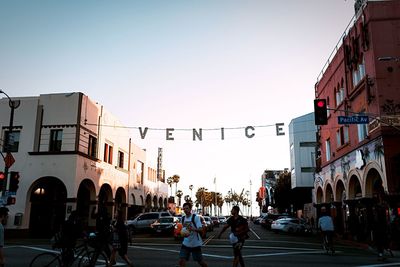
(13, 105)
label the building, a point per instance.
(302, 141)
(359, 163)
(72, 154)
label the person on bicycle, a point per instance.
(325, 224)
(71, 230)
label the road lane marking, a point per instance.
(208, 240)
(382, 264)
(254, 233)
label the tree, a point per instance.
(179, 194)
(175, 179)
(283, 192)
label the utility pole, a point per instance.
(215, 196)
(13, 105)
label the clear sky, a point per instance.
(181, 64)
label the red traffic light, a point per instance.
(321, 103)
(320, 112)
(2, 176)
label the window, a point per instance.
(328, 149)
(342, 136)
(121, 159)
(55, 140)
(108, 153)
(139, 172)
(13, 141)
(362, 131)
(339, 96)
(92, 149)
(359, 72)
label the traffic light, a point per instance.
(2, 180)
(320, 112)
(14, 181)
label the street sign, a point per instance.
(9, 160)
(353, 119)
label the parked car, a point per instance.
(143, 221)
(290, 225)
(222, 219)
(209, 223)
(215, 221)
(165, 225)
(270, 217)
(259, 219)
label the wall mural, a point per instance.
(357, 159)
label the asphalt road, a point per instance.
(264, 248)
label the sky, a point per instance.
(207, 64)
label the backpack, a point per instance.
(203, 232)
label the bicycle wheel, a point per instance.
(89, 261)
(46, 259)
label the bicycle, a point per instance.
(327, 242)
(83, 256)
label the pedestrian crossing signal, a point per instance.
(14, 181)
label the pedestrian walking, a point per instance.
(380, 231)
(3, 218)
(103, 228)
(120, 240)
(192, 242)
(239, 230)
(71, 230)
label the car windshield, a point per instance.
(166, 220)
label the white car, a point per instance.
(290, 225)
(144, 220)
(209, 223)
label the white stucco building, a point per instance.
(72, 154)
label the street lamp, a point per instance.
(13, 105)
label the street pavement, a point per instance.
(264, 248)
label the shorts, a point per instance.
(195, 251)
(237, 247)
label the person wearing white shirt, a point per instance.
(192, 242)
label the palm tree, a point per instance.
(176, 179)
(191, 191)
(201, 197)
(169, 182)
(179, 194)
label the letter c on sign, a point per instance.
(247, 132)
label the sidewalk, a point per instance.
(363, 245)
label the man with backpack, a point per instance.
(239, 230)
(192, 242)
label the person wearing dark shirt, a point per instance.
(120, 242)
(103, 228)
(239, 228)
